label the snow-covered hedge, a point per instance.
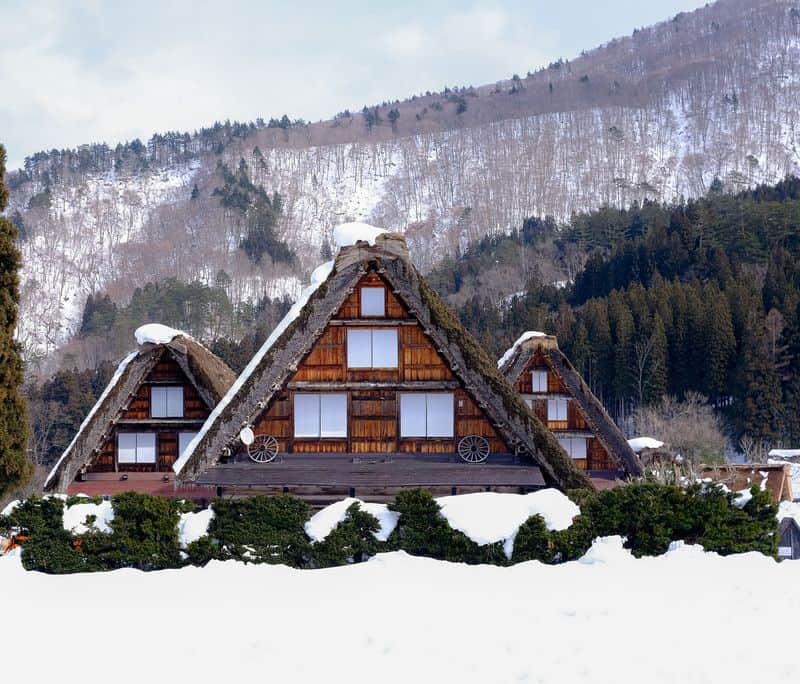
(146, 532)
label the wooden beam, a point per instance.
(419, 385)
(371, 322)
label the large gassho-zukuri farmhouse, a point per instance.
(370, 385)
(555, 392)
(157, 400)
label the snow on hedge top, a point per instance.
(346, 234)
(527, 335)
(638, 444)
(323, 522)
(318, 276)
(112, 383)
(74, 517)
(489, 517)
(192, 526)
(155, 333)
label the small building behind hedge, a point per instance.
(371, 385)
(557, 395)
(157, 400)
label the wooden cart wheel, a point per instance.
(263, 449)
(473, 449)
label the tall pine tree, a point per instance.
(15, 468)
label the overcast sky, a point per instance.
(74, 72)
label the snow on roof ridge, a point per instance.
(318, 276)
(637, 444)
(112, 383)
(527, 335)
(156, 333)
(347, 234)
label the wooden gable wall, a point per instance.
(598, 457)
(166, 372)
(373, 412)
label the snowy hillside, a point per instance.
(397, 618)
(657, 115)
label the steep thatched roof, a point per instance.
(266, 376)
(517, 359)
(208, 373)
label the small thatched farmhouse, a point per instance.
(558, 396)
(370, 385)
(151, 409)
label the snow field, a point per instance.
(606, 618)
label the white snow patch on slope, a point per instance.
(789, 509)
(489, 517)
(638, 444)
(74, 517)
(324, 521)
(192, 526)
(431, 621)
(112, 383)
(319, 276)
(155, 333)
(527, 335)
(346, 234)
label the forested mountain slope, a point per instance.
(656, 115)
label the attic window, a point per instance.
(371, 348)
(557, 409)
(574, 446)
(166, 402)
(539, 379)
(373, 301)
(426, 415)
(320, 415)
(136, 447)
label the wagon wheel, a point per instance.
(263, 449)
(473, 448)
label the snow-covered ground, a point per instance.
(608, 618)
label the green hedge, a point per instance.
(261, 529)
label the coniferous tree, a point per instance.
(760, 389)
(15, 468)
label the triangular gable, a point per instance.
(204, 371)
(533, 348)
(281, 355)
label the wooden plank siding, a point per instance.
(136, 418)
(597, 458)
(373, 412)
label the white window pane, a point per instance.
(384, 348)
(578, 447)
(565, 444)
(183, 441)
(158, 402)
(145, 447)
(333, 415)
(175, 402)
(440, 415)
(529, 401)
(556, 409)
(126, 447)
(539, 381)
(412, 415)
(359, 348)
(306, 415)
(372, 301)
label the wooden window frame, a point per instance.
(319, 437)
(371, 331)
(426, 437)
(136, 462)
(361, 301)
(167, 389)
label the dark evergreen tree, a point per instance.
(15, 468)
